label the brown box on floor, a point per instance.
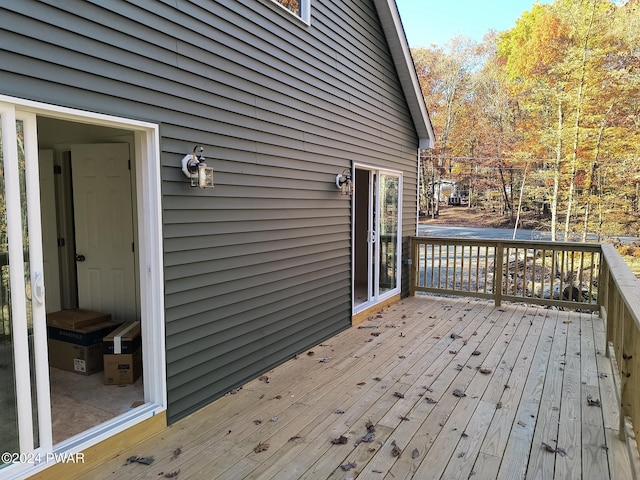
(82, 359)
(122, 369)
(76, 318)
(124, 339)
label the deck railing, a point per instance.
(621, 311)
(562, 275)
(544, 273)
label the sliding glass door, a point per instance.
(377, 236)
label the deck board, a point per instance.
(398, 370)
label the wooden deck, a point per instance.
(530, 376)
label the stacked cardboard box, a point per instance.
(75, 340)
(123, 355)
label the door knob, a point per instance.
(80, 258)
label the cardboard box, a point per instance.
(77, 318)
(85, 360)
(122, 369)
(86, 336)
(125, 339)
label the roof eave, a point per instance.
(397, 41)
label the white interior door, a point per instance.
(104, 229)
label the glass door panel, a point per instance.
(388, 213)
(24, 396)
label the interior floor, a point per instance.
(80, 402)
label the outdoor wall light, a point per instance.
(195, 168)
(344, 182)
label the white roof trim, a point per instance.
(397, 41)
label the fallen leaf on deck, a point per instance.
(371, 450)
(430, 400)
(459, 367)
(339, 411)
(459, 393)
(461, 454)
(548, 447)
(176, 453)
(261, 447)
(401, 357)
(361, 383)
(274, 419)
(377, 379)
(593, 402)
(172, 474)
(295, 437)
(402, 417)
(311, 353)
(486, 371)
(398, 394)
(348, 466)
(341, 440)
(264, 379)
(396, 452)
(142, 460)
(368, 438)
(402, 335)
(415, 453)
(370, 427)
(602, 375)
(499, 405)
(277, 397)
(455, 335)
(506, 386)
(521, 423)
(561, 451)
(375, 334)
(453, 352)
(476, 352)
(257, 421)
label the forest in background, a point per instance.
(543, 118)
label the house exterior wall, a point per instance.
(257, 269)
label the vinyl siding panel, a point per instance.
(259, 268)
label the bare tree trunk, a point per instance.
(524, 178)
(556, 176)
(576, 136)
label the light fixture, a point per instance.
(195, 168)
(344, 182)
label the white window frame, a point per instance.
(305, 10)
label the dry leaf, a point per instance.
(593, 402)
(370, 427)
(402, 417)
(430, 400)
(499, 405)
(454, 336)
(521, 423)
(453, 352)
(176, 453)
(398, 394)
(476, 352)
(459, 367)
(368, 438)
(361, 383)
(459, 393)
(375, 334)
(461, 454)
(142, 460)
(310, 353)
(486, 371)
(172, 474)
(295, 437)
(348, 466)
(324, 360)
(561, 451)
(341, 440)
(339, 411)
(261, 447)
(377, 379)
(415, 453)
(264, 379)
(396, 452)
(548, 447)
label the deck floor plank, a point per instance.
(542, 366)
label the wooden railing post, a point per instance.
(498, 273)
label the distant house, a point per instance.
(100, 103)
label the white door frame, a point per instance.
(374, 247)
(149, 219)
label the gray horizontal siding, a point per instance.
(257, 269)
